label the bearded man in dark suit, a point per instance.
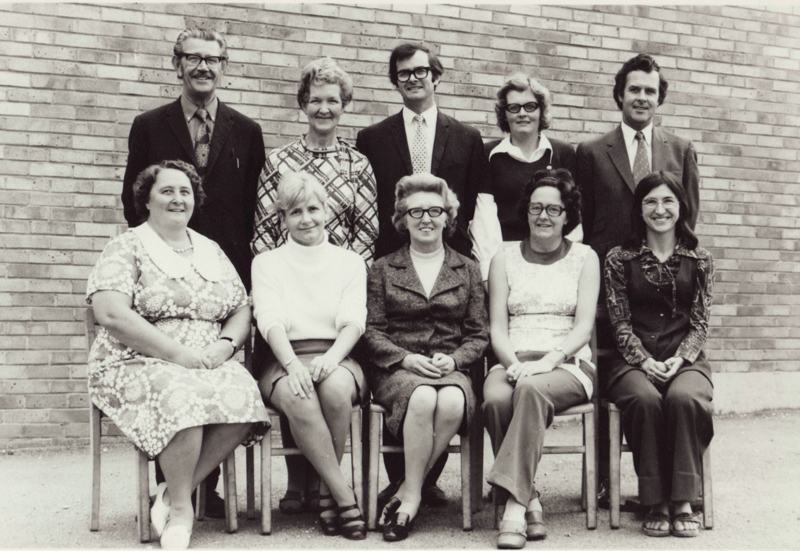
(226, 148)
(420, 138)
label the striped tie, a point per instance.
(202, 140)
(641, 164)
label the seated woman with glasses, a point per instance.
(309, 299)
(542, 298)
(523, 113)
(426, 324)
(658, 292)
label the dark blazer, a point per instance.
(234, 162)
(604, 176)
(401, 320)
(458, 158)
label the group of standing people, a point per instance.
(370, 275)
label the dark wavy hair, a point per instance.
(642, 62)
(408, 49)
(650, 182)
(146, 178)
(561, 179)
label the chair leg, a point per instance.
(356, 460)
(476, 458)
(708, 495)
(143, 475)
(200, 502)
(94, 444)
(466, 479)
(590, 466)
(266, 483)
(251, 482)
(231, 497)
(614, 452)
(375, 436)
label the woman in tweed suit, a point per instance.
(426, 324)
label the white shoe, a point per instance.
(176, 536)
(159, 512)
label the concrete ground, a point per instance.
(756, 468)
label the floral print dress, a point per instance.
(151, 399)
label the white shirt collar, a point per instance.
(429, 115)
(505, 146)
(205, 258)
(629, 134)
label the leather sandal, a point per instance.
(352, 527)
(398, 528)
(535, 529)
(656, 517)
(328, 518)
(691, 526)
(388, 511)
(511, 534)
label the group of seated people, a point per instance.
(173, 312)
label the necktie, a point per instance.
(419, 153)
(641, 163)
(202, 139)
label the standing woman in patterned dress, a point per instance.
(323, 93)
(172, 312)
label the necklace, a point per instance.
(185, 249)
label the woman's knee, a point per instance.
(338, 389)
(497, 391)
(422, 402)
(450, 403)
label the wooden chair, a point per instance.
(270, 449)
(471, 458)
(142, 465)
(616, 447)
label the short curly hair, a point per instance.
(520, 82)
(324, 71)
(641, 62)
(561, 179)
(415, 183)
(146, 178)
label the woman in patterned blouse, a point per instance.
(659, 299)
(323, 93)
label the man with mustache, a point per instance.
(608, 169)
(226, 148)
(420, 138)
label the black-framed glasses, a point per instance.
(211, 61)
(433, 212)
(529, 107)
(551, 210)
(404, 75)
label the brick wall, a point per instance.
(72, 77)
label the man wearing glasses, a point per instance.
(226, 148)
(421, 139)
(608, 169)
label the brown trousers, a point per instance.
(517, 417)
(667, 430)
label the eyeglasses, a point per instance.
(211, 61)
(529, 107)
(652, 203)
(419, 73)
(551, 210)
(433, 212)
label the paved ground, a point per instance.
(756, 467)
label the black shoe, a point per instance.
(398, 528)
(627, 506)
(215, 505)
(433, 496)
(386, 494)
(603, 494)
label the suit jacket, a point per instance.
(401, 320)
(458, 158)
(235, 159)
(604, 176)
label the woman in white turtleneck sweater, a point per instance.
(309, 299)
(426, 324)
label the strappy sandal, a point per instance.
(352, 527)
(653, 516)
(328, 519)
(389, 510)
(691, 526)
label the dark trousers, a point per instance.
(517, 416)
(667, 430)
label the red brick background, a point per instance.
(72, 77)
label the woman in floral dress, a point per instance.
(172, 311)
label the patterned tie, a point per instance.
(419, 153)
(202, 139)
(641, 164)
